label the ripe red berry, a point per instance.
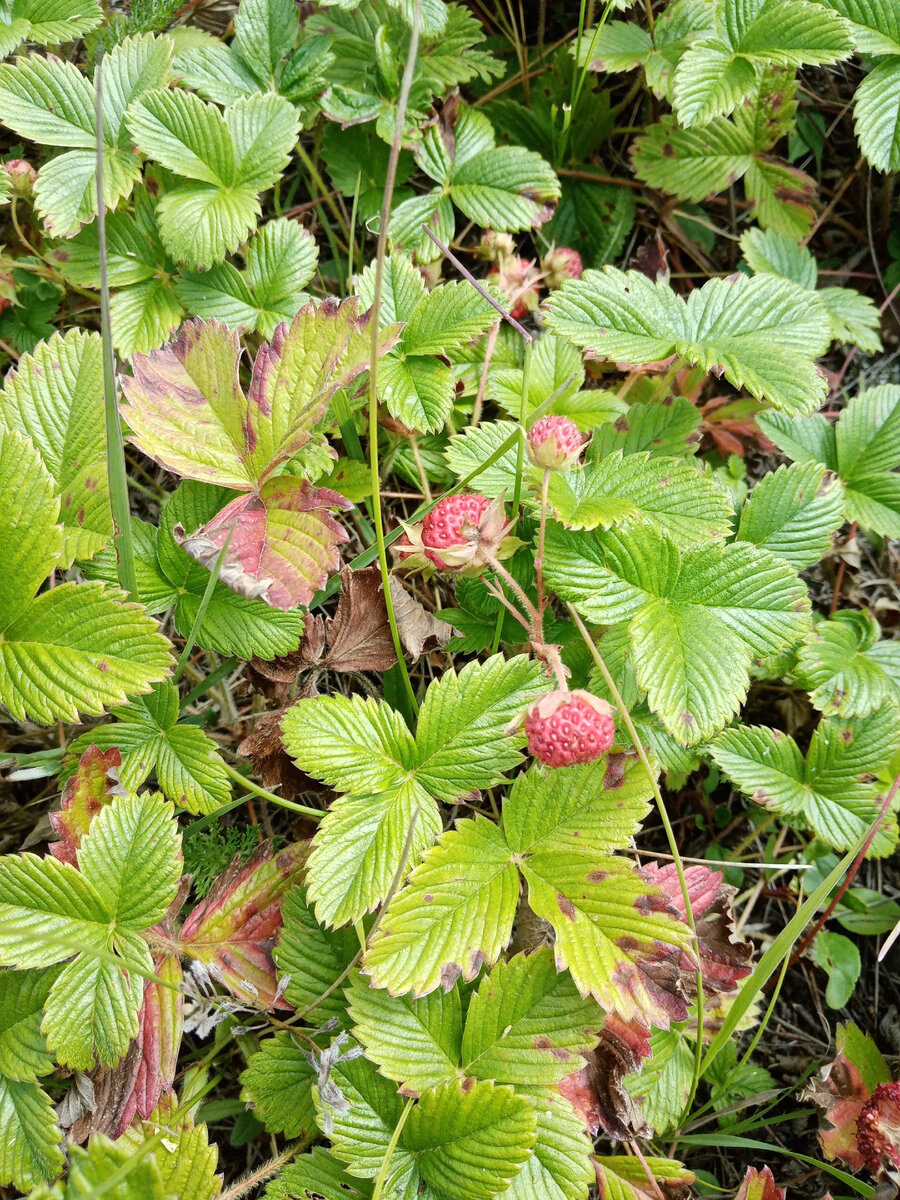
(454, 521)
(878, 1128)
(555, 443)
(565, 728)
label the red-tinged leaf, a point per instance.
(759, 1185)
(187, 410)
(597, 1091)
(841, 1090)
(283, 541)
(724, 958)
(94, 784)
(878, 1128)
(159, 1038)
(233, 930)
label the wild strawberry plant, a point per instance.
(505, 454)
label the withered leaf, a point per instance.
(271, 763)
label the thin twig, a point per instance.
(479, 287)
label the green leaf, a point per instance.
(875, 28)
(846, 669)
(470, 1141)
(30, 1138)
(415, 1042)
(671, 495)
(461, 739)
(561, 1167)
(502, 187)
(660, 429)
(597, 805)
(664, 1080)
(263, 31)
(79, 649)
(361, 1119)
(793, 512)
(278, 1083)
(763, 333)
(825, 791)
(839, 957)
(28, 500)
(875, 110)
(313, 957)
(23, 1048)
(359, 848)
(46, 24)
(454, 914)
(527, 1025)
(313, 1175)
(592, 218)
(49, 911)
(132, 855)
(93, 1169)
(854, 318)
(623, 1177)
(281, 260)
(231, 158)
(353, 744)
(186, 762)
(92, 1010)
(697, 618)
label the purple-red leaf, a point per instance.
(94, 784)
(841, 1090)
(283, 541)
(759, 1185)
(232, 931)
(597, 1090)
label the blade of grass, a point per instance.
(202, 607)
(731, 1142)
(115, 446)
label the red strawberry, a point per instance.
(561, 264)
(565, 728)
(555, 443)
(453, 521)
(878, 1128)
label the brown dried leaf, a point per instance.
(420, 631)
(276, 769)
(359, 635)
(275, 678)
(597, 1091)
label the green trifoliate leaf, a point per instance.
(846, 669)
(854, 318)
(874, 24)
(30, 1138)
(28, 501)
(823, 792)
(697, 618)
(597, 805)
(132, 855)
(793, 512)
(527, 1025)
(281, 260)
(454, 914)
(186, 762)
(53, 103)
(278, 1083)
(502, 187)
(313, 957)
(715, 74)
(461, 740)
(763, 333)
(23, 1048)
(359, 848)
(263, 31)
(470, 1141)
(863, 447)
(50, 911)
(319, 1174)
(352, 744)
(361, 1118)
(186, 1160)
(593, 218)
(669, 494)
(229, 158)
(46, 24)
(415, 1042)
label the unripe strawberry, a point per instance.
(494, 246)
(561, 264)
(565, 728)
(555, 443)
(520, 281)
(878, 1129)
(22, 176)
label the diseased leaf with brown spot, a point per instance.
(724, 958)
(94, 784)
(233, 930)
(597, 1090)
(840, 1090)
(282, 541)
